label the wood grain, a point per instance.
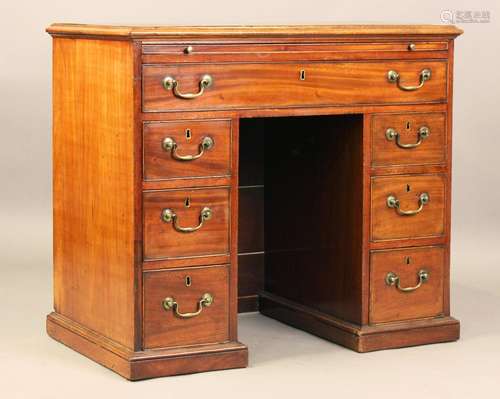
(261, 85)
(387, 304)
(242, 31)
(157, 53)
(300, 49)
(386, 224)
(431, 151)
(364, 338)
(159, 164)
(93, 161)
(148, 363)
(298, 182)
(163, 329)
(162, 240)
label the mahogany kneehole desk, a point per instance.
(301, 171)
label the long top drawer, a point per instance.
(184, 87)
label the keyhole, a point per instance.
(302, 75)
(408, 125)
(188, 281)
(187, 202)
(407, 260)
(188, 134)
(408, 188)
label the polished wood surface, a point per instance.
(94, 211)
(242, 31)
(163, 328)
(387, 224)
(364, 338)
(389, 304)
(297, 182)
(162, 240)
(160, 164)
(432, 150)
(140, 365)
(264, 52)
(261, 85)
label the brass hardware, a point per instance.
(169, 144)
(302, 74)
(412, 47)
(188, 134)
(188, 50)
(205, 301)
(393, 279)
(170, 83)
(187, 202)
(393, 77)
(391, 135)
(187, 281)
(168, 216)
(393, 202)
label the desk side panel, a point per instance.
(93, 160)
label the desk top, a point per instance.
(247, 31)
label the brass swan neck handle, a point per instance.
(393, 202)
(395, 77)
(169, 216)
(205, 301)
(393, 135)
(169, 144)
(170, 83)
(393, 279)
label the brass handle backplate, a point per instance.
(169, 216)
(394, 77)
(169, 303)
(391, 135)
(169, 144)
(393, 279)
(170, 83)
(393, 202)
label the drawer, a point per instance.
(186, 149)
(259, 52)
(264, 85)
(408, 139)
(411, 206)
(186, 307)
(406, 284)
(183, 223)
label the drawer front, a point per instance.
(183, 223)
(186, 307)
(186, 149)
(259, 52)
(406, 284)
(410, 206)
(289, 85)
(408, 139)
